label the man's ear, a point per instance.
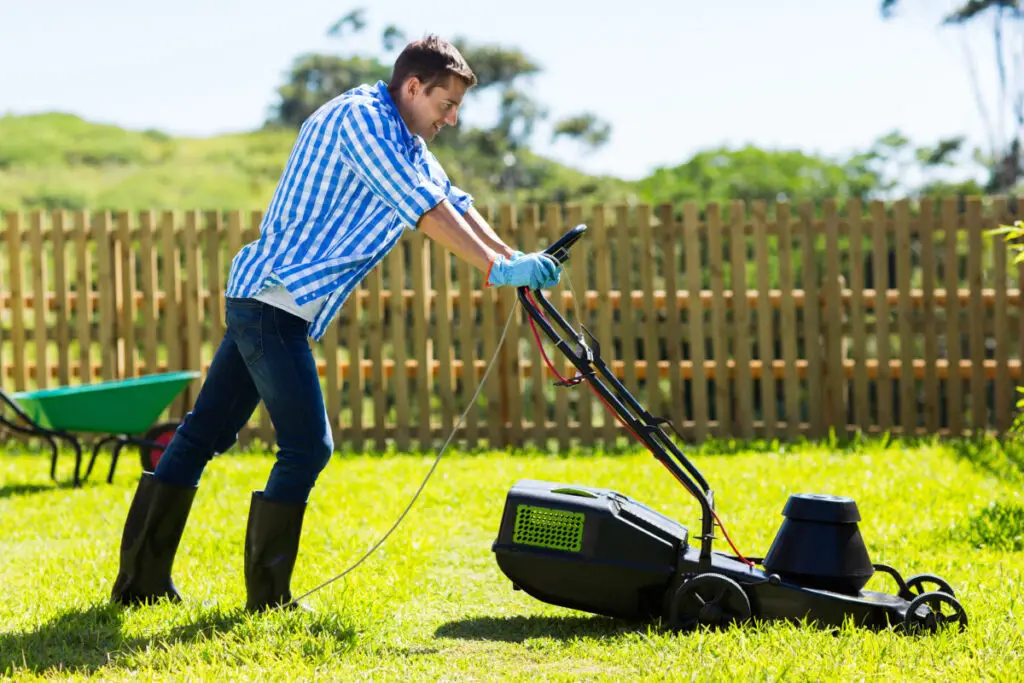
(412, 86)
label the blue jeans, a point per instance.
(264, 355)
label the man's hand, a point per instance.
(536, 271)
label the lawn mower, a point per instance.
(599, 551)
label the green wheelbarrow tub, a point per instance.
(126, 406)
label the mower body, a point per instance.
(599, 551)
(588, 548)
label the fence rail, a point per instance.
(731, 320)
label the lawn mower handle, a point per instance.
(587, 359)
(560, 249)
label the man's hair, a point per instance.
(433, 61)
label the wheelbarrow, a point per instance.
(122, 412)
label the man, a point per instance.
(358, 176)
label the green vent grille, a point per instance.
(548, 528)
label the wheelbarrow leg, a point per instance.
(78, 463)
(76, 480)
(96, 451)
(121, 443)
(53, 459)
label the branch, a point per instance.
(978, 98)
(973, 8)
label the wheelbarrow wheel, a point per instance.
(159, 435)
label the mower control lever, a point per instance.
(560, 249)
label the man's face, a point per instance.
(428, 112)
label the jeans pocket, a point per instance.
(245, 325)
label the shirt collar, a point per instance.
(413, 142)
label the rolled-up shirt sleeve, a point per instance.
(460, 199)
(379, 162)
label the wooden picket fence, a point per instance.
(730, 320)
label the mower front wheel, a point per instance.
(929, 612)
(710, 600)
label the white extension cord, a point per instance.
(472, 402)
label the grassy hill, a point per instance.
(57, 160)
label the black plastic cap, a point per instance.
(819, 507)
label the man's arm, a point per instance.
(365, 143)
(446, 226)
(486, 234)
(463, 203)
(423, 205)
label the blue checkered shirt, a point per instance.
(355, 180)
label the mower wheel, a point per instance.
(711, 600)
(917, 585)
(930, 611)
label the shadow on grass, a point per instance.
(520, 628)
(86, 640)
(12, 490)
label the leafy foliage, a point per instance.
(316, 78)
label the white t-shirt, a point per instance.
(276, 294)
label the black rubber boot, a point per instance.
(271, 546)
(152, 531)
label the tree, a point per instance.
(892, 161)
(1003, 159)
(586, 128)
(750, 173)
(317, 78)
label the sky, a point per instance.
(671, 76)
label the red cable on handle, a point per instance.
(580, 378)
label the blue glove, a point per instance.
(536, 271)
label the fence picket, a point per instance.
(39, 263)
(740, 326)
(765, 335)
(907, 343)
(695, 321)
(929, 271)
(719, 329)
(60, 287)
(954, 383)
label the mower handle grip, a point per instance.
(560, 249)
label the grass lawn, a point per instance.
(432, 604)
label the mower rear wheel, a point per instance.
(929, 612)
(711, 600)
(917, 585)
